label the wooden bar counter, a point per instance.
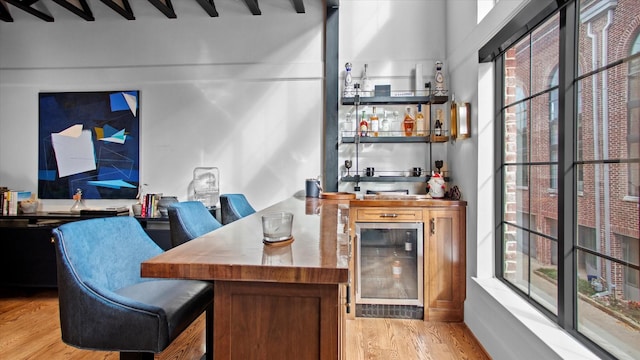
(270, 301)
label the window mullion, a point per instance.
(498, 160)
(567, 179)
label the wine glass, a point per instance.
(439, 165)
(348, 164)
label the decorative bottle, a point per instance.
(419, 121)
(409, 122)
(374, 123)
(349, 90)
(364, 125)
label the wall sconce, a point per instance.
(464, 119)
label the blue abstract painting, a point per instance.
(89, 141)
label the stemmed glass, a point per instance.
(439, 165)
(348, 164)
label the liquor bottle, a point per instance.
(384, 125)
(419, 122)
(374, 123)
(396, 269)
(397, 125)
(366, 83)
(453, 126)
(347, 126)
(438, 124)
(439, 88)
(408, 123)
(364, 125)
(408, 245)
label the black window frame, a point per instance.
(569, 167)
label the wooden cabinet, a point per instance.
(271, 320)
(445, 264)
(444, 229)
(28, 256)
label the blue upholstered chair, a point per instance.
(188, 220)
(104, 302)
(234, 207)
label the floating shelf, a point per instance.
(394, 100)
(423, 179)
(384, 139)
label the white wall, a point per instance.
(240, 92)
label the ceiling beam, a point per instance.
(78, 7)
(41, 13)
(5, 15)
(299, 6)
(166, 7)
(122, 7)
(209, 7)
(253, 6)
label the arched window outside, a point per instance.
(553, 131)
(522, 126)
(633, 120)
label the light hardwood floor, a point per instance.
(29, 329)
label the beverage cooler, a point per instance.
(389, 263)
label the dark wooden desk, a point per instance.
(28, 257)
(271, 302)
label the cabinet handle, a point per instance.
(388, 215)
(348, 299)
(433, 226)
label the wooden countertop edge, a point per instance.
(259, 273)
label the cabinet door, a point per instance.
(445, 261)
(28, 257)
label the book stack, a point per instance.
(150, 205)
(10, 201)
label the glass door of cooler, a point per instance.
(389, 263)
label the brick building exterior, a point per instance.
(607, 137)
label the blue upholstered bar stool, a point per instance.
(234, 207)
(104, 302)
(188, 220)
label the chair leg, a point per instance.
(136, 356)
(209, 332)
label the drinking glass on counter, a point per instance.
(277, 226)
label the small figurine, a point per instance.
(436, 186)
(78, 203)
